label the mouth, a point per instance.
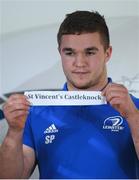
(80, 72)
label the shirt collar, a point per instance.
(65, 87)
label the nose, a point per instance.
(80, 60)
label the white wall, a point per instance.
(29, 49)
(28, 55)
(124, 64)
(18, 15)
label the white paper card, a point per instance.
(65, 98)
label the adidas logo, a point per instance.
(51, 129)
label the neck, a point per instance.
(104, 85)
(96, 87)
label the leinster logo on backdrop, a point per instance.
(113, 123)
(132, 83)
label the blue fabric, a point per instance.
(84, 145)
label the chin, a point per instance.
(81, 86)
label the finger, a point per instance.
(113, 87)
(18, 114)
(16, 101)
(17, 97)
(115, 91)
(116, 101)
(18, 122)
(19, 104)
(15, 107)
(115, 94)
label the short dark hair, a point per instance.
(80, 22)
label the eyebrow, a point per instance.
(93, 48)
(67, 49)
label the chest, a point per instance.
(81, 129)
(69, 141)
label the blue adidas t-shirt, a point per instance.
(81, 142)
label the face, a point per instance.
(84, 61)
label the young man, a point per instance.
(99, 141)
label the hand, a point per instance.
(16, 110)
(117, 95)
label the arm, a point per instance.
(16, 160)
(133, 122)
(117, 95)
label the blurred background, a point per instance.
(28, 48)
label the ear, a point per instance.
(108, 54)
(58, 49)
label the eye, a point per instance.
(69, 53)
(90, 53)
